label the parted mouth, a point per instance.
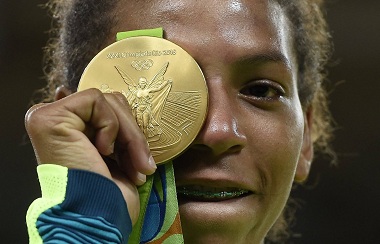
(205, 193)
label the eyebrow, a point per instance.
(262, 58)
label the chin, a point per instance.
(229, 221)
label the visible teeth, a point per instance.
(210, 193)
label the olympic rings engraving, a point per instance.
(142, 64)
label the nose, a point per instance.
(221, 133)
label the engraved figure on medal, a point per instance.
(164, 116)
(147, 99)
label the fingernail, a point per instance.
(152, 163)
(141, 177)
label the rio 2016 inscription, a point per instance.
(144, 53)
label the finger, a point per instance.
(30, 121)
(130, 138)
(102, 118)
(57, 130)
(85, 111)
(125, 164)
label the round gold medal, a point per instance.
(163, 84)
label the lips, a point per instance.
(205, 193)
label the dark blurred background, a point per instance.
(340, 204)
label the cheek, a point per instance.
(275, 141)
(286, 145)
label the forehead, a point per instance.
(238, 27)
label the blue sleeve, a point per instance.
(92, 210)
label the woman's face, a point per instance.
(256, 135)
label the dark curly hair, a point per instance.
(313, 48)
(82, 28)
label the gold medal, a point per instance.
(163, 84)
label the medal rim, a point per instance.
(126, 44)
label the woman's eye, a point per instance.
(262, 90)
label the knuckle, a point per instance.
(34, 117)
(121, 98)
(93, 93)
(111, 123)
